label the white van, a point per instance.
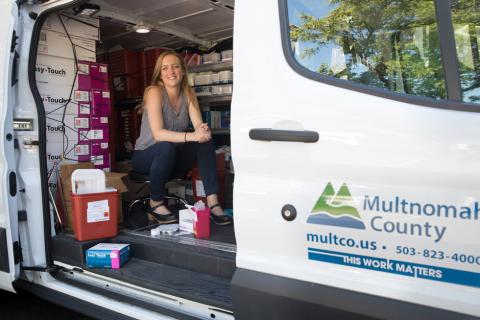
(355, 132)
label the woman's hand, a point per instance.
(202, 133)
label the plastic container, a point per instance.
(201, 225)
(225, 76)
(212, 57)
(203, 78)
(227, 55)
(88, 181)
(95, 215)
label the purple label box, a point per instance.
(100, 102)
(92, 75)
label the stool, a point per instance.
(139, 178)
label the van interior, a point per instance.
(131, 34)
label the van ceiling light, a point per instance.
(142, 28)
(86, 9)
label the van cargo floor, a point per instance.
(195, 286)
(194, 269)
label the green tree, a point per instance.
(395, 48)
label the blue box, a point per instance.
(108, 255)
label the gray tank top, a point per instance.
(171, 121)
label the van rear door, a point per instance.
(356, 161)
(9, 244)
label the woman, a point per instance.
(165, 146)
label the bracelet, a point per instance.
(185, 136)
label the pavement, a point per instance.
(24, 305)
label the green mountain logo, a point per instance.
(336, 209)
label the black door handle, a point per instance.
(267, 134)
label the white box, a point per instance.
(78, 26)
(227, 55)
(59, 45)
(227, 89)
(51, 72)
(226, 76)
(215, 78)
(185, 220)
(71, 151)
(203, 78)
(212, 57)
(58, 131)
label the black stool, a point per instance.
(139, 178)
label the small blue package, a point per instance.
(108, 255)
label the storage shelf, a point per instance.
(214, 99)
(221, 131)
(215, 67)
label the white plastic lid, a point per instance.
(88, 181)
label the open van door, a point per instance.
(10, 254)
(356, 150)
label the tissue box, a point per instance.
(185, 220)
(108, 255)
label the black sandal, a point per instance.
(160, 218)
(222, 220)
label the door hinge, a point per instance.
(29, 143)
(17, 252)
(22, 215)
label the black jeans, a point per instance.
(163, 160)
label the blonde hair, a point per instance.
(156, 81)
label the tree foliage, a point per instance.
(392, 44)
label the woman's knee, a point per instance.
(163, 148)
(206, 146)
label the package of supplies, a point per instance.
(227, 55)
(227, 89)
(203, 91)
(215, 78)
(211, 57)
(226, 76)
(108, 255)
(203, 78)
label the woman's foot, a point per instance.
(159, 213)
(216, 211)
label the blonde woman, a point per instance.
(165, 146)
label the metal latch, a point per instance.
(30, 142)
(22, 124)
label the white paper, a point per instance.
(199, 188)
(185, 220)
(98, 211)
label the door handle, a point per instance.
(268, 134)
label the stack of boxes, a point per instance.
(75, 92)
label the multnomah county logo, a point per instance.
(336, 209)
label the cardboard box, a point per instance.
(107, 255)
(58, 131)
(101, 104)
(54, 71)
(79, 26)
(113, 180)
(57, 44)
(92, 76)
(123, 166)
